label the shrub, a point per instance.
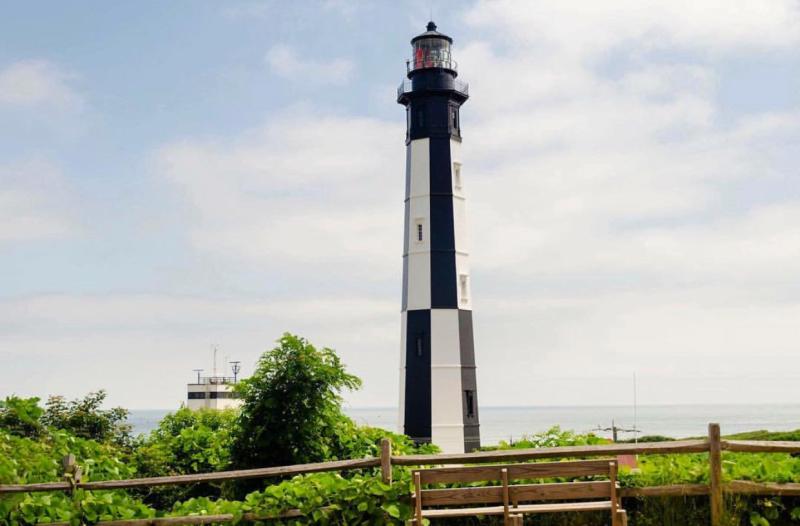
(185, 442)
(292, 407)
(84, 417)
(21, 416)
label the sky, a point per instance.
(175, 176)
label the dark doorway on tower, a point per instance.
(470, 399)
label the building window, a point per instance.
(470, 399)
(197, 396)
(223, 394)
(419, 231)
(463, 281)
(457, 176)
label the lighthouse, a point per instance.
(438, 390)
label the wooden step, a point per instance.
(524, 508)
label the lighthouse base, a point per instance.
(439, 401)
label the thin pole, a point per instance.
(635, 412)
(715, 473)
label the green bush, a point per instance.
(84, 418)
(21, 416)
(28, 460)
(323, 498)
(185, 442)
(291, 412)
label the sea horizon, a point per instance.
(511, 423)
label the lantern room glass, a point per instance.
(432, 53)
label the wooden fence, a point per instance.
(714, 445)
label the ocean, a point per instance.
(511, 423)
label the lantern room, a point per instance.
(432, 50)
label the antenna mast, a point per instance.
(635, 412)
(215, 360)
(198, 371)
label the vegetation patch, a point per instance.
(292, 414)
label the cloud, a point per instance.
(575, 28)
(34, 202)
(126, 341)
(306, 190)
(620, 223)
(285, 62)
(248, 10)
(37, 83)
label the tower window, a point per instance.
(457, 176)
(420, 344)
(420, 118)
(419, 231)
(454, 118)
(463, 281)
(469, 396)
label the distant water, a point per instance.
(504, 423)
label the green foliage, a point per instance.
(323, 498)
(21, 416)
(364, 441)
(292, 414)
(28, 460)
(84, 418)
(292, 407)
(185, 442)
(553, 437)
(766, 435)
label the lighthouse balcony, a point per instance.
(407, 86)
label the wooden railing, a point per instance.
(714, 445)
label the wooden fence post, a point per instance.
(72, 471)
(715, 474)
(386, 460)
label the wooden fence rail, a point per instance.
(713, 445)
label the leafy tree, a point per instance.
(185, 442)
(84, 418)
(21, 416)
(292, 407)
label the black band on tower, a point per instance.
(418, 366)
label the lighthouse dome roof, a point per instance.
(431, 33)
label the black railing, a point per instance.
(407, 87)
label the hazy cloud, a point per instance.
(34, 202)
(31, 83)
(164, 337)
(305, 190)
(287, 63)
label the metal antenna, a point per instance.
(215, 360)
(198, 371)
(235, 367)
(615, 429)
(635, 412)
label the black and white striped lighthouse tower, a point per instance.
(438, 391)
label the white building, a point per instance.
(213, 392)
